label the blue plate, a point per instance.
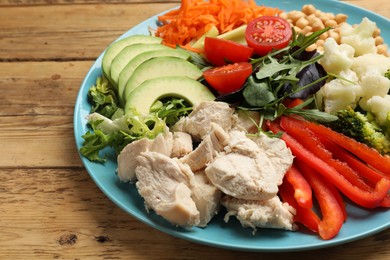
(361, 223)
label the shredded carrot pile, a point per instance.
(196, 17)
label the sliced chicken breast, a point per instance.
(182, 144)
(277, 151)
(243, 170)
(271, 213)
(213, 143)
(127, 157)
(206, 197)
(198, 122)
(165, 183)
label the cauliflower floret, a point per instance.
(370, 63)
(380, 107)
(341, 93)
(374, 84)
(359, 37)
(336, 57)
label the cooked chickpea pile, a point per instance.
(310, 19)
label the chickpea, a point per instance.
(324, 36)
(311, 18)
(297, 29)
(312, 47)
(320, 43)
(330, 23)
(295, 15)
(302, 22)
(283, 15)
(335, 36)
(340, 18)
(308, 9)
(376, 33)
(318, 25)
(382, 49)
(307, 29)
(379, 40)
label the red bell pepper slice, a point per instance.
(305, 216)
(302, 189)
(362, 151)
(328, 198)
(362, 168)
(308, 139)
(367, 172)
(368, 199)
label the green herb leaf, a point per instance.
(269, 70)
(258, 94)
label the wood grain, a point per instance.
(67, 32)
(61, 214)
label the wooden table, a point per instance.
(49, 206)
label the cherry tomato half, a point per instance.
(266, 33)
(228, 78)
(220, 51)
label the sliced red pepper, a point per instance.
(362, 151)
(368, 199)
(302, 189)
(308, 139)
(290, 103)
(305, 216)
(362, 168)
(367, 172)
(328, 198)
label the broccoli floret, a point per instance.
(358, 126)
(387, 74)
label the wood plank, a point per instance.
(77, 2)
(40, 88)
(38, 141)
(90, 226)
(36, 109)
(62, 32)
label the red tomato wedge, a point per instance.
(228, 78)
(266, 33)
(220, 51)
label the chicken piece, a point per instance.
(206, 197)
(243, 170)
(198, 122)
(276, 149)
(271, 213)
(247, 121)
(207, 150)
(182, 144)
(164, 183)
(127, 157)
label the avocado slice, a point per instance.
(127, 54)
(117, 46)
(152, 90)
(128, 70)
(159, 67)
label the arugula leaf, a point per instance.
(270, 69)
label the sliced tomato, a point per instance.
(228, 78)
(220, 51)
(266, 33)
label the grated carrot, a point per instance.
(195, 17)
